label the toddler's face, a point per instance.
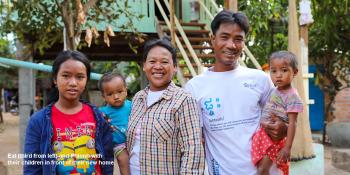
(282, 73)
(114, 92)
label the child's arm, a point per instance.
(123, 162)
(284, 154)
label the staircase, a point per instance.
(199, 39)
(192, 40)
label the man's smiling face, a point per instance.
(228, 43)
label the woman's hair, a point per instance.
(165, 43)
(108, 77)
(287, 56)
(59, 60)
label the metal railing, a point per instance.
(36, 66)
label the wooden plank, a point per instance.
(194, 24)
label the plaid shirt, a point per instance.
(170, 133)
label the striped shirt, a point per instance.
(170, 133)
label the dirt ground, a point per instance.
(9, 143)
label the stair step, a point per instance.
(200, 47)
(206, 55)
(195, 65)
(187, 76)
(188, 32)
(196, 39)
(196, 24)
(202, 56)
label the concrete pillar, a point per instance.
(26, 91)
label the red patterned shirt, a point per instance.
(74, 141)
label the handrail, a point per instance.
(36, 66)
(187, 42)
(178, 43)
(245, 49)
(206, 9)
(181, 78)
(242, 62)
(213, 3)
(251, 56)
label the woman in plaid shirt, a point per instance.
(164, 133)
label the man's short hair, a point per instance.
(226, 16)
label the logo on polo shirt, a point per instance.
(211, 106)
(250, 84)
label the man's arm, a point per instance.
(192, 160)
(276, 129)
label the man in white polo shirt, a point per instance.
(231, 98)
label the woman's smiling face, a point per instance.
(159, 68)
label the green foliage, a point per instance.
(330, 42)
(130, 70)
(8, 75)
(5, 48)
(32, 23)
(269, 28)
(40, 23)
(329, 46)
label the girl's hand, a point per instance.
(283, 156)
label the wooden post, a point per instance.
(231, 5)
(172, 22)
(304, 50)
(2, 102)
(302, 145)
(304, 34)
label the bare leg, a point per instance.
(123, 162)
(264, 166)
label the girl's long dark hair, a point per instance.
(61, 58)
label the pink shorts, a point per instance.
(263, 145)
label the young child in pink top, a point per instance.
(285, 104)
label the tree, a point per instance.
(40, 24)
(330, 47)
(7, 74)
(130, 70)
(269, 27)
